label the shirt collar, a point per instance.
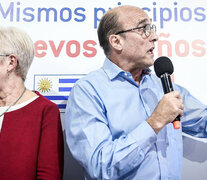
(112, 70)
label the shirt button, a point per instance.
(148, 109)
(109, 172)
(125, 74)
(135, 161)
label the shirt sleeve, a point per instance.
(194, 120)
(91, 142)
(50, 156)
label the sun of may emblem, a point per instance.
(44, 85)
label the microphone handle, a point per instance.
(166, 83)
(168, 87)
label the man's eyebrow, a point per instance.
(143, 21)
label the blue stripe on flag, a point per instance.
(57, 97)
(64, 89)
(61, 106)
(67, 80)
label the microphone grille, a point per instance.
(163, 65)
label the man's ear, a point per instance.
(12, 62)
(116, 42)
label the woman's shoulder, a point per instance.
(44, 99)
(40, 102)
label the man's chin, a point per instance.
(149, 65)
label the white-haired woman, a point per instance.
(31, 139)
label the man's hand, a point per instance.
(169, 107)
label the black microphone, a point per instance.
(164, 68)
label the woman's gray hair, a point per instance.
(17, 42)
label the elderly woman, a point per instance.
(31, 139)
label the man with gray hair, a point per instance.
(118, 121)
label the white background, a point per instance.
(190, 70)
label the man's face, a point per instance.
(137, 46)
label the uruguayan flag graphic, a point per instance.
(56, 87)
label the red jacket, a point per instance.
(31, 142)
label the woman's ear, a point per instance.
(12, 62)
(115, 42)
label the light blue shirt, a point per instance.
(107, 132)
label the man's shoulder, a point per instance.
(93, 77)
